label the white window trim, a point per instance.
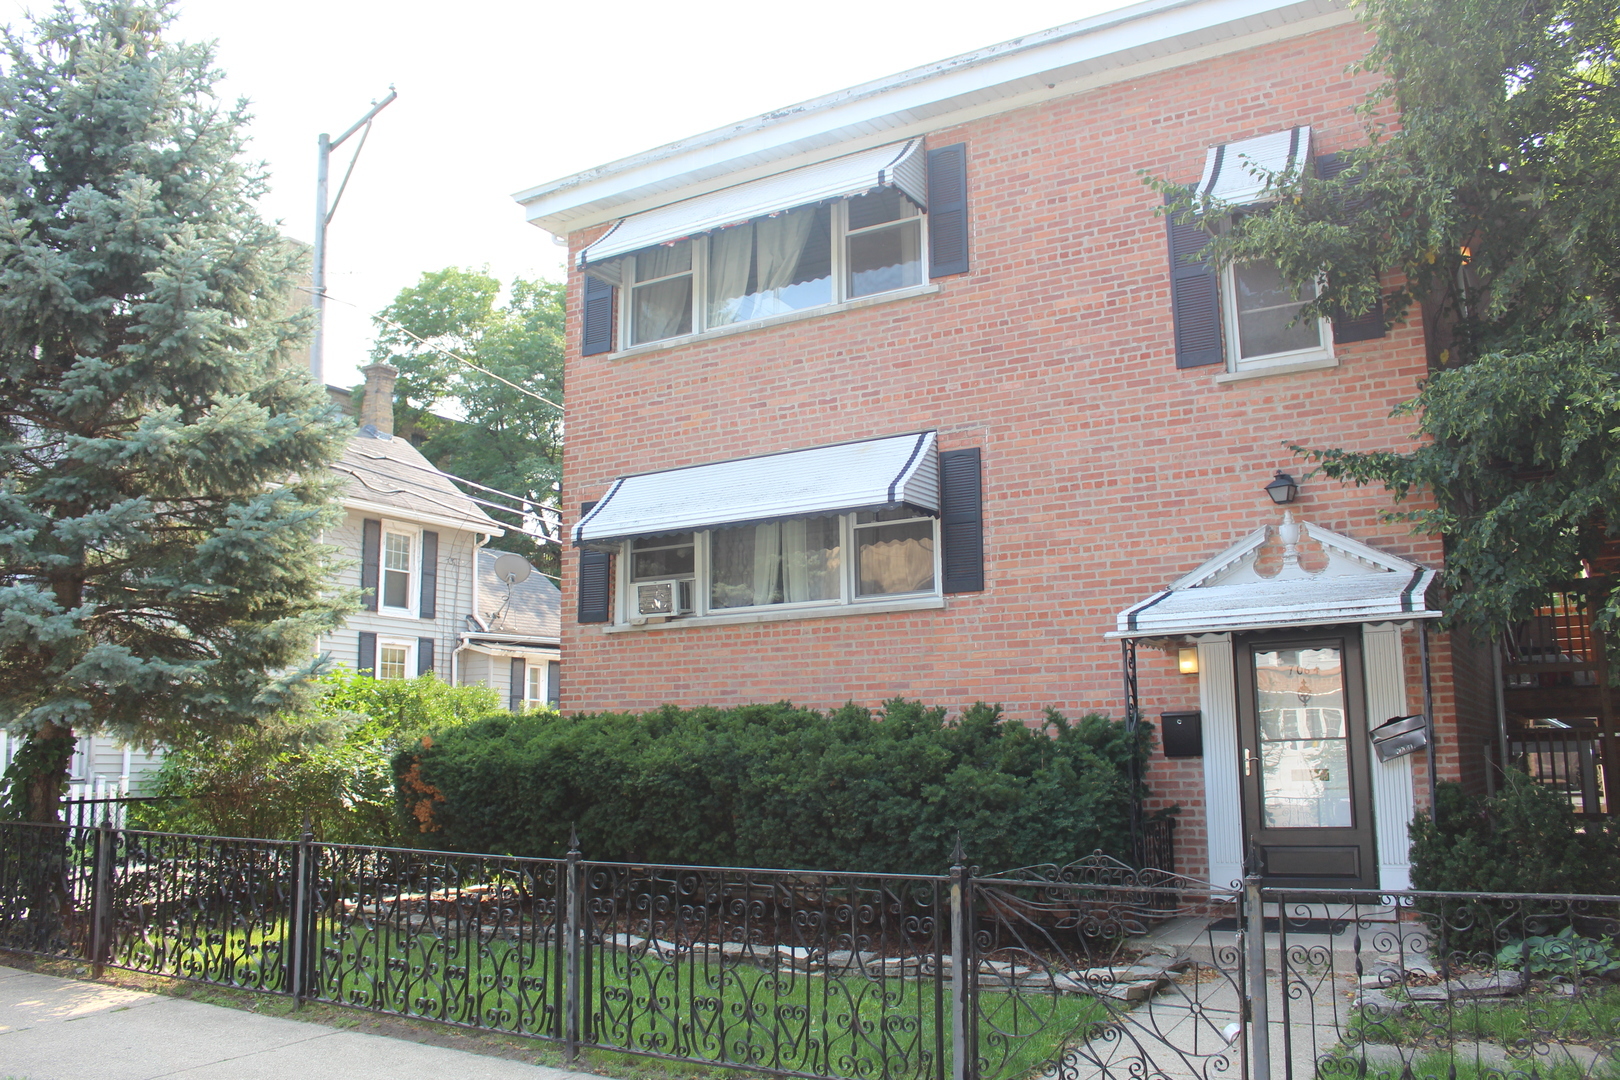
(1310, 359)
(847, 602)
(387, 642)
(839, 239)
(413, 586)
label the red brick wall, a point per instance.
(1107, 472)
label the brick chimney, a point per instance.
(377, 406)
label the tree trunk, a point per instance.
(45, 783)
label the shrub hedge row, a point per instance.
(776, 785)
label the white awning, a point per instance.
(1241, 173)
(875, 474)
(901, 165)
(1354, 583)
(1261, 605)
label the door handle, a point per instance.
(1248, 762)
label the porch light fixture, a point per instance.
(1283, 490)
(1187, 661)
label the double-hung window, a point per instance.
(398, 565)
(1261, 312)
(811, 238)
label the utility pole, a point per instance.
(323, 218)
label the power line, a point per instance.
(452, 355)
(470, 498)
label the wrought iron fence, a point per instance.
(1089, 970)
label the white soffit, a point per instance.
(867, 475)
(1241, 173)
(1116, 46)
(1358, 584)
(902, 166)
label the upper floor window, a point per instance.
(1249, 317)
(807, 257)
(810, 238)
(1262, 317)
(397, 570)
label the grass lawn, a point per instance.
(693, 1005)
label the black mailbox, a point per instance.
(1182, 733)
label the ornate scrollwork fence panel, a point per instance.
(1433, 986)
(47, 875)
(812, 974)
(204, 908)
(1098, 970)
(461, 939)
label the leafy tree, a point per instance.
(507, 439)
(162, 451)
(1492, 212)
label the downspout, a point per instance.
(1501, 710)
(479, 540)
(1428, 717)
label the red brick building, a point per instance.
(900, 392)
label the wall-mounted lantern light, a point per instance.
(1187, 661)
(1283, 490)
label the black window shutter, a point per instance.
(1369, 325)
(429, 609)
(370, 560)
(947, 211)
(1195, 297)
(424, 655)
(598, 322)
(593, 580)
(961, 520)
(554, 684)
(515, 695)
(367, 662)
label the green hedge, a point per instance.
(779, 786)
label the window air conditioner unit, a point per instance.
(657, 598)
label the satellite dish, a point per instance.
(512, 568)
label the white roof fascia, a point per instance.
(1117, 46)
(482, 526)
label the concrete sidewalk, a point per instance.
(63, 1029)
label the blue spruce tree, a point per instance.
(162, 449)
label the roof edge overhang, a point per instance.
(1116, 46)
(482, 525)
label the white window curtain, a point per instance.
(780, 562)
(771, 248)
(731, 255)
(662, 310)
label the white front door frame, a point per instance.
(1393, 800)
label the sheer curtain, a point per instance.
(731, 255)
(781, 242)
(663, 309)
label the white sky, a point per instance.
(496, 96)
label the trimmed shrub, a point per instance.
(1525, 838)
(778, 786)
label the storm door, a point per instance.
(1303, 756)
